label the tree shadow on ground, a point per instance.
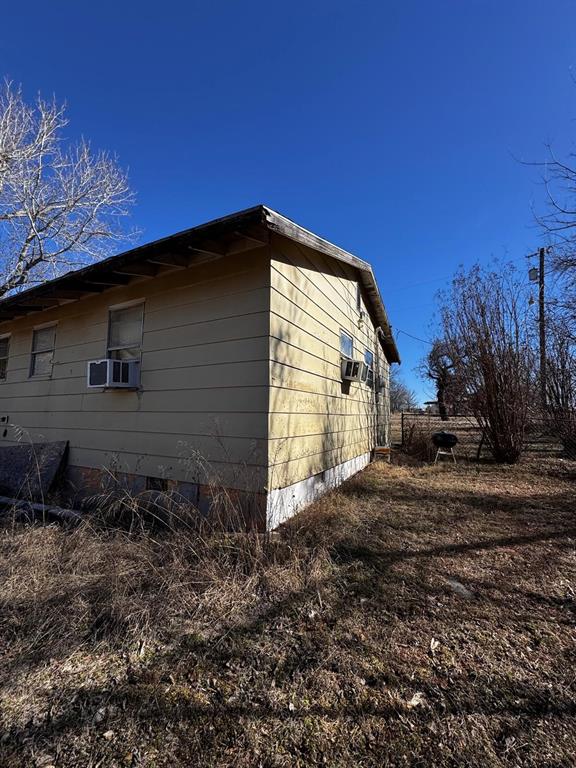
(453, 648)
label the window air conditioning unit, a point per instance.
(351, 369)
(114, 374)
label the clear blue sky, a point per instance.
(388, 127)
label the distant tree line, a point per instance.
(402, 398)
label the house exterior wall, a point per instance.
(204, 379)
(240, 382)
(321, 430)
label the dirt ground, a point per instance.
(420, 616)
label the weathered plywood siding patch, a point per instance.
(203, 399)
(316, 422)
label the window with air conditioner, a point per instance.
(125, 327)
(120, 369)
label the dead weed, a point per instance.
(417, 616)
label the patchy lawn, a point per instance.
(419, 616)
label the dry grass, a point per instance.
(419, 616)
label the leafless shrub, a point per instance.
(561, 386)
(487, 336)
(59, 203)
(417, 439)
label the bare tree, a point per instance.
(560, 411)
(59, 203)
(402, 398)
(486, 330)
(439, 368)
(558, 224)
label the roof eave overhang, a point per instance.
(226, 236)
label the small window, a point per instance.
(125, 333)
(4, 351)
(369, 367)
(346, 344)
(358, 298)
(43, 345)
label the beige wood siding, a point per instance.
(204, 393)
(316, 421)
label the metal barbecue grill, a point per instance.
(444, 442)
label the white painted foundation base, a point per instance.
(282, 503)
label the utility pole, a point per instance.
(542, 325)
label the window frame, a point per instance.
(369, 368)
(349, 336)
(5, 358)
(119, 307)
(32, 374)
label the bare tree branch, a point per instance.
(60, 204)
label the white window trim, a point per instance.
(41, 327)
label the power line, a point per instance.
(431, 343)
(416, 338)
